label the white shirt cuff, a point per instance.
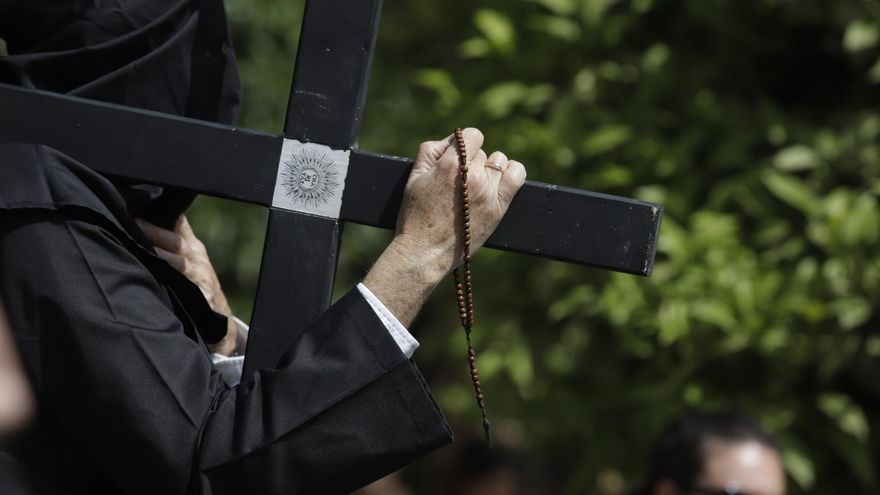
(407, 343)
(230, 367)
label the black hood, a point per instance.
(171, 56)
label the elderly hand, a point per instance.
(427, 243)
(186, 253)
(428, 221)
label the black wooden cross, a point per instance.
(314, 177)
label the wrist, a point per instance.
(403, 277)
(430, 262)
(228, 345)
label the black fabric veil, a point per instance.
(171, 56)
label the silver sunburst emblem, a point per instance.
(309, 178)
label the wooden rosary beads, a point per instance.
(463, 289)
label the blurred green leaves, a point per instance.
(441, 83)
(754, 122)
(497, 30)
(790, 190)
(860, 35)
(796, 158)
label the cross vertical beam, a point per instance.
(326, 105)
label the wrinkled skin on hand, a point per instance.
(428, 241)
(188, 255)
(429, 219)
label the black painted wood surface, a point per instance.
(241, 164)
(295, 284)
(326, 106)
(332, 70)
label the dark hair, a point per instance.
(677, 454)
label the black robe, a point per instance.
(129, 399)
(114, 339)
(171, 56)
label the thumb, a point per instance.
(430, 152)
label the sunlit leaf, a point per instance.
(585, 84)
(790, 190)
(852, 311)
(497, 29)
(693, 395)
(795, 158)
(800, 468)
(594, 10)
(860, 35)
(605, 139)
(539, 95)
(715, 312)
(518, 362)
(560, 27)
(441, 82)
(500, 99)
(612, 176)
(848, 416)
(474, 48)
(655, 57)
(874, 72)
(673, 321)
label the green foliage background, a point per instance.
(755, 122)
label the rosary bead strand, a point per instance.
(464, 290)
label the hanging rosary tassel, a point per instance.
(463, 288)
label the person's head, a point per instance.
(716, 453)
(169, 56)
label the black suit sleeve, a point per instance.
(113, 364)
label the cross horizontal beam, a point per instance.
(557, 222)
